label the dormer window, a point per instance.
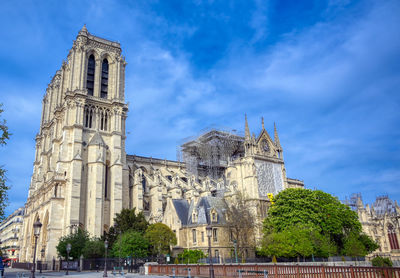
(194, 217)
(90, 75)
(214, 215)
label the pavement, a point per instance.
(19, 273)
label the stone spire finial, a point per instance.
(84, 30)
(276, 137)
(262, 123)
(246, 128)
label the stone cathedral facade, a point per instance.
(82, 175)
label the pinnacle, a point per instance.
(247, 130)
(83, 30)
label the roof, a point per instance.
(182, 209)
(97, 140)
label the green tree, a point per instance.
(191, 256)
(161, 237)
(382, 262)
(132, 244)
(94, 248)
(126, 220)
(77, 240)
(323, 219)
(353, 246)
(4, 136)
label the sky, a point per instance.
(326, 72)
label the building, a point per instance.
(380, 221)
(10, 234)
(82, 176)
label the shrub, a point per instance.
(382, 262)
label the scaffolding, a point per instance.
(211, 152)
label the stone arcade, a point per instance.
(82, 176)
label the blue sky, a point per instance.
(327, 72)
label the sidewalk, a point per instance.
(17, 273)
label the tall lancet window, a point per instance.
(104, 79)
(394, 244)
(90, 75)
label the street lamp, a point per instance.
(105, 262)
(209, 234)
(68, 250)
(41, 261)
(235, 245)
(36, 232)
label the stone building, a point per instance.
(380, 221)
(82, 176)
(10, 234)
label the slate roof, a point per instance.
(182, 209)
(203, 207)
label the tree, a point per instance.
(382, 262)
(161, 237)
(77, 240)
(333, 227)
(240, 221)
(297, 241)
(126, 220)
(191, 256)
(4, 136)
(132, 244)
(94, 248)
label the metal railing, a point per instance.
(276, 271)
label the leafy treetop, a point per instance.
(4, 136)
(77, 240)
(304, 222)
(161, 237)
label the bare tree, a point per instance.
(241, 223)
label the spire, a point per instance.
(246, 128)
(84, 30)
(276, 138)
(262, 123)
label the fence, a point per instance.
(39, 265)
(276, 271)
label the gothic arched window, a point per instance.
(88, 116)
(394, 244)
(104, 79)
(90, 75)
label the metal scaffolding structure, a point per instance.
(211, 152)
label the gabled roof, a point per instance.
(97, 140)
(204, 207)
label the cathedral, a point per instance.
(380, 221)
(82, 176)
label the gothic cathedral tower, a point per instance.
(80, 166)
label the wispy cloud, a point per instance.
(327, 72)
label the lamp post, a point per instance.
(41, 260)
(119, 253)
(68, 250)
(36, 232)
(209, 234)
(105, 261)
(235, 244)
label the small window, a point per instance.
(194, 217)
(215, 235)
(214, 216)
(202, 236)
(90, 75)
(194, 236)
